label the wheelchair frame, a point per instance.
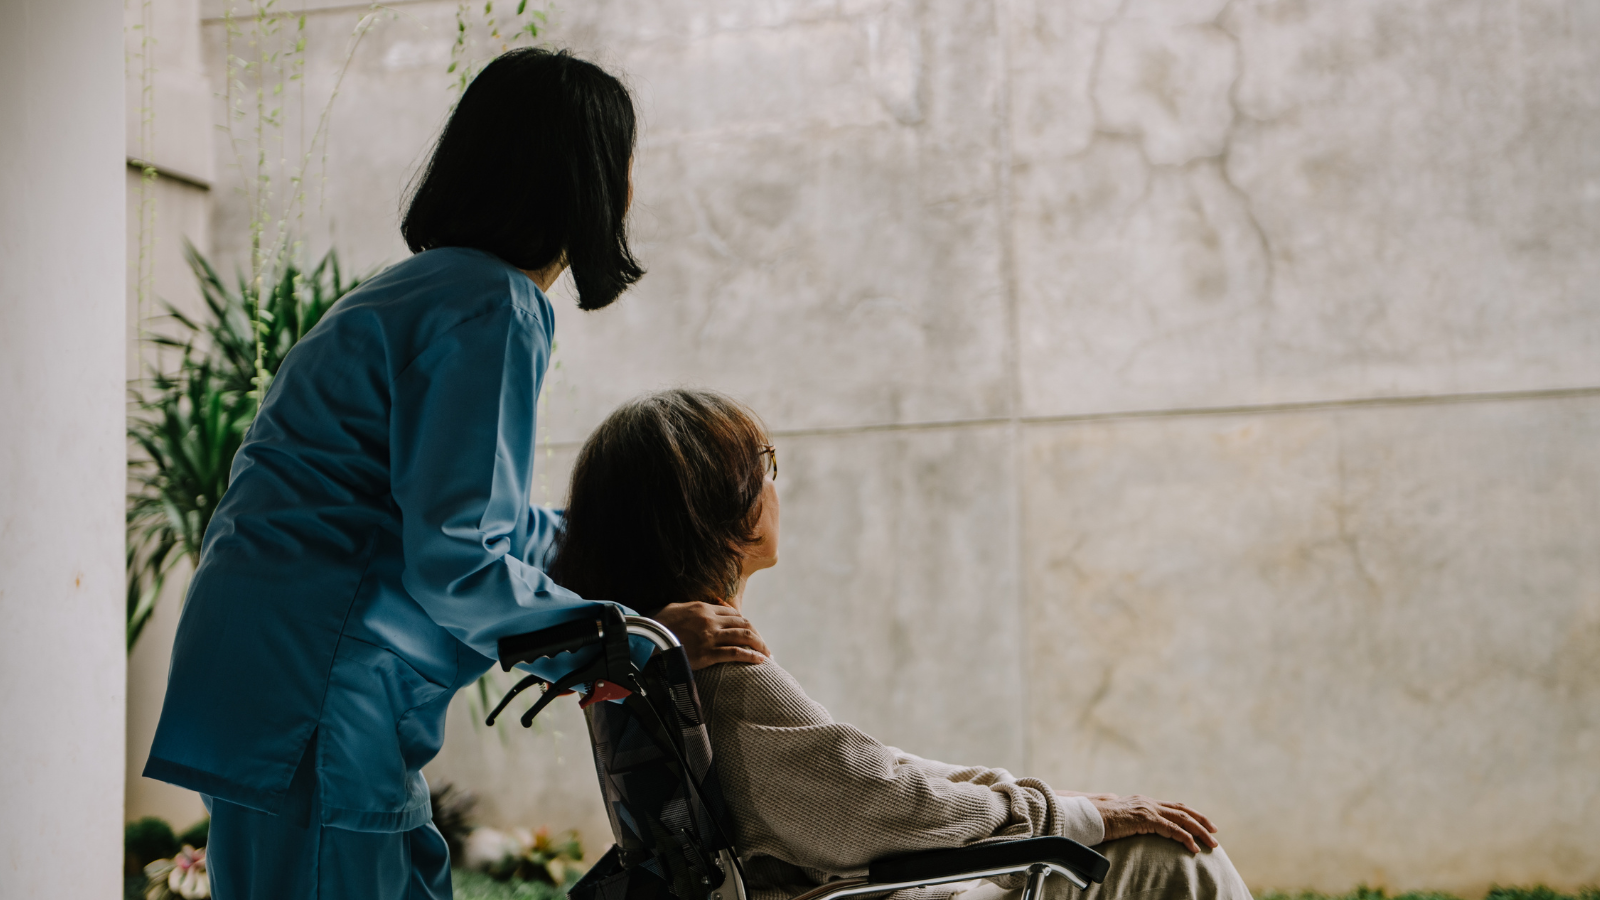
(701, 804)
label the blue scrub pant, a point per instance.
(252, 855)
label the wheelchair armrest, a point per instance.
(943, 864)
(1035, 856)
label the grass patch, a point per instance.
(1538, 892)
(472, 885)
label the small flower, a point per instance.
(491, 850)
(189, 878)
(182, 876)
(523, 854)
(157, 872)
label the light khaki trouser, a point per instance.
(1145, 867)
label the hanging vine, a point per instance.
(261, 61)
(144, 270)
(499, 35)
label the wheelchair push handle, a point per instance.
(521, 648)
(610, 629)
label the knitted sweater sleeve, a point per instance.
(827, 797)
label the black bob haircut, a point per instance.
(533, 164)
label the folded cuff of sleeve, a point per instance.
(1081, 822)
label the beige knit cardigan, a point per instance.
(814, 799)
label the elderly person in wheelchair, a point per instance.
(674, 498)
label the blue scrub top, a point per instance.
(376, 540)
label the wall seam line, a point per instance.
(1576, 393)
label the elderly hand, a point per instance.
(714, 634)
(1128, 816)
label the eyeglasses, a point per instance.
(771, 453)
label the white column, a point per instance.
(62, 673)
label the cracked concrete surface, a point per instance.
(1382, 622)
(985, 265)
(1385, 199)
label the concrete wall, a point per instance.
(61, 448)
(1185, 398)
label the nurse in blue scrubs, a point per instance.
(377, 538)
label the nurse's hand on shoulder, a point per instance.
(714, 634)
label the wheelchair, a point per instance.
(674, 835)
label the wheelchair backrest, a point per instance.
(653, 758)
(659, 782)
